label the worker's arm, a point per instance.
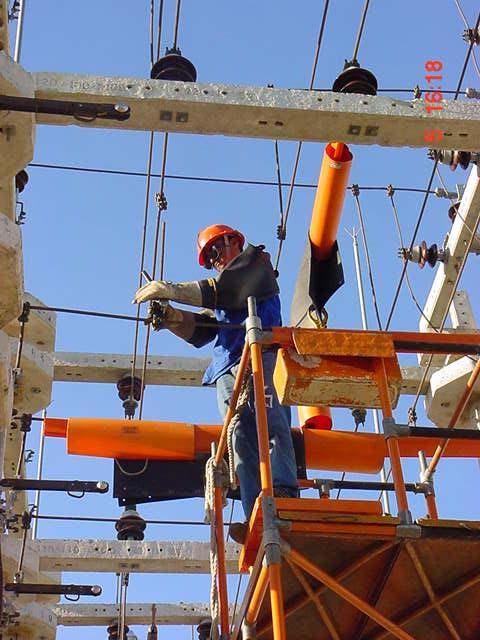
(196, 328)
(249, 274)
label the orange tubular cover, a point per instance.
(329, 198)
(131, 439)
(318, 417)
(326, 450)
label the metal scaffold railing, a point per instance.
(289, 538)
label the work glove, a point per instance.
(186, 292)
(179, 322)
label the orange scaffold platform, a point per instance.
(322, 568)
(340, 569)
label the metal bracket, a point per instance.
(393, 430)
(409, 531)
(271, 534)
(253, 324)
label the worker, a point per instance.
(242, 272)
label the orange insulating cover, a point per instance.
(131, 439)
(329, 198)
(366, 452)
(324, 449)
(318, 417)
(55, 427)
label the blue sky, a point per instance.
(82, 237)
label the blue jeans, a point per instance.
(245, 442)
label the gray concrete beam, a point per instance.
(456, 247)
(110, 367)
(40, 327)
(101, 615)
(17, 132)
(112, 556)
(261, 112)
(161, 370)
(11, 270)
(33, 386)
(4, 39)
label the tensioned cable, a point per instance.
(189, 523)
(360, 30)
(146, 208)
(280, 192)
(407, 278)
(355, 192)
(447, 307)
(265, 183)
(158, 225)
(177, 22)
(465, 21)
(424, 203)
(300, 143)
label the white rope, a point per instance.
(243, 398)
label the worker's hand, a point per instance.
(173, 317)
(154, 290)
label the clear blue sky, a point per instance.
(83, 232)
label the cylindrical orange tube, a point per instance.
(327, 450)
(55, 427)
(131, 439)
(318, 417)
(329, 199)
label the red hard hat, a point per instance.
(207, 237)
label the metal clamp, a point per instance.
(271, 534)
(253, 324)
(393, 430)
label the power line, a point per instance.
(189, 523)
(360, 30)
(240, 181)
(427, 192)
(356, 192)
(283, 231)
(465, 21)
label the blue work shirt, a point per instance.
(229, 343)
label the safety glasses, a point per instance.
(217, 249)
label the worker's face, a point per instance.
(223, 251)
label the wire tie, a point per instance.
(161, 201)
(355, 190)
(390, 190)
(23, 317)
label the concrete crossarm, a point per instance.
(261, 112)
(459, 236)
(133, 556)
(182, 613)
(110, 367)
(161, 370)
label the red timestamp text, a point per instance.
(434, 96)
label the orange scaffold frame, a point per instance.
(265, 574)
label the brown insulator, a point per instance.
(174, 66)
(113, 631)
(130, 526)
(354, 79)
(21, 180)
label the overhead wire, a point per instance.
(467, 26)
(356, 192)
(300, 143)
(161, 206)
(240, 181)
(188, 523)
(427, 193)
(280, 228)
(145, 213)
(360, 30)
(447, 307)
(407, 277)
